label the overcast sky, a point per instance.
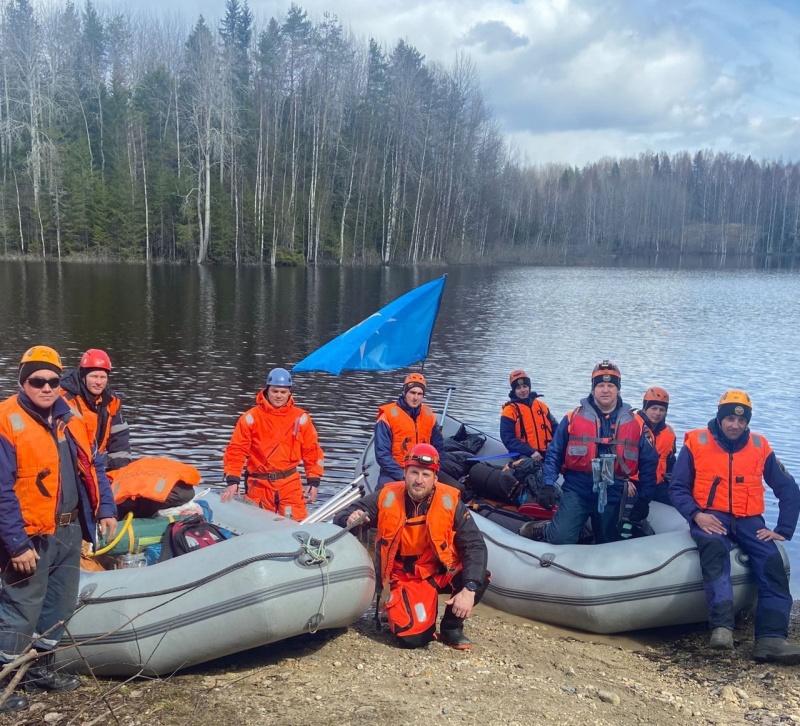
(575, 80)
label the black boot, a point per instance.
(14, 702)
(44, 677)
(534, 530)
(455, 638)
(776, 650)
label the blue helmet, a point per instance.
(279, 377)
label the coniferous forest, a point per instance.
(289, 141)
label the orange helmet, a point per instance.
(414, 379)
(423, 455)
(40, 357)
(655, 396)
(606, 371)
(96, 358)
(736, 403)
(516, 374)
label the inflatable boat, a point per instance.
(273, 579)
(638, 583)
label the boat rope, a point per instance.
(546, 562)
(319, 556)
(302, 550)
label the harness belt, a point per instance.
(62, 520)
(272, 475)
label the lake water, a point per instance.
(191, 346)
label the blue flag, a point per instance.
(394, 337)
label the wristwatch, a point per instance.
(471, 585)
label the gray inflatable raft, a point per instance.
(259, 587)
(609, 588)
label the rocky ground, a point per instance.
(518, 672)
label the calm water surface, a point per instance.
(191, 346)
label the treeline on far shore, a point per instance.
(282, 141)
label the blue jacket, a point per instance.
(581, 482)
(777, 478)
(508, 427)
(12, 526)
(390, 469)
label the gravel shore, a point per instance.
(518, 672)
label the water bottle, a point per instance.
(126, 562)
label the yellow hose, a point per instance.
(125, 527)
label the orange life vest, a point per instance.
(38, 482)
(430, 537)
(151, 478)
(584, 437)
(407, 432)
(531, 423)
(665, 445)
(728, 482)
(91, 419)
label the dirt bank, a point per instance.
(518, 672)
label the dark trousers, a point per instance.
(32, 604)
(774, 598)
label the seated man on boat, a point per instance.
(526, 424)
(718, 486)
(401, 425)
(600, 447)
(86, 390)
(654, 414)
(269, 442)
(427, 543)
(53, 490)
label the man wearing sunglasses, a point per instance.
(427, 543)
(53, 489)
(601, 447)
(526, 424)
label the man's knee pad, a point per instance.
(775, 574)
(713, 557)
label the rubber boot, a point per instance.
(721, 639)
(455, 639)
(776, 650)
(533, 530)
(44, 677)
(14, 702)
(451, 631)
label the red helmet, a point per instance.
(414, 379)
(655, 396)
(423, 455)
(96, 358)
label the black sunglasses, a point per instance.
(40, 383)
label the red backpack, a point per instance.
(188, 535)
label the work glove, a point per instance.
(640, 511)
(547, 497)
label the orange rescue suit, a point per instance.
(151, 478)
(728, 482)
(270, 443)
(531, 423)
(38, 482)
(584, 437)
(90, 418)
(406, 431)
